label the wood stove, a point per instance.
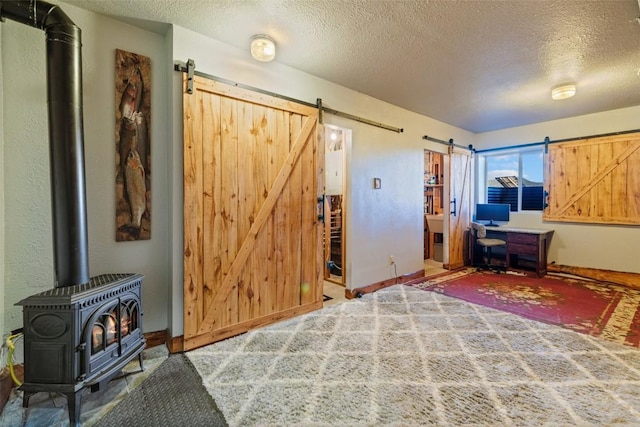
(81, 336)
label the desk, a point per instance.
(525, 241)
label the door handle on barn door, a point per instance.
(321, 208)
(545, 200)
(454, 206)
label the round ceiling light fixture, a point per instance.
(563, 91)
(263, 48)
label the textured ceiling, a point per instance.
(479, 65)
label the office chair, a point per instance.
(481, 239)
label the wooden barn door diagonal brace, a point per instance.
(599, 177)
(190, 70)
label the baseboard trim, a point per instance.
(6, 383)
(156, 338)
(176, 344)
(631, 280)
(405, 279)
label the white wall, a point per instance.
(28, 248)
(2, 222)
(610, 247)
(28, 239)
(379, 222)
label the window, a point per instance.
(515, 178)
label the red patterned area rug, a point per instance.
(603, 310)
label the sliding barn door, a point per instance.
(253, 171)
(594, 180)
(459, 198)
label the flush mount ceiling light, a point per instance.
(263, 48)
(563, 91)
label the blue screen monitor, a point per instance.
(492, 212)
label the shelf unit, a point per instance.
(334, 243)
(433, 183)
(433, 198)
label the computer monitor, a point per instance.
(492, 212)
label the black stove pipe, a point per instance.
(66, 135)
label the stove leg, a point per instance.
(25, 403)
(140, 360)
(25, 398)
(73, 402)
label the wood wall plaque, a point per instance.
(133, 146)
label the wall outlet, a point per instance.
(392, 260)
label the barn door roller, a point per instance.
(191, 67)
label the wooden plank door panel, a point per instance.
(460, 191)
(251, 180)
(593, 181)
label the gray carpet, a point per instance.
(173, 395)
(407, 357)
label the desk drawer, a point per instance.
(518, 248)
(527, 239)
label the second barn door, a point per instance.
(593, 180)
(253, 173)
(459, 200)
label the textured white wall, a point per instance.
(2, 222)
(610, 247)
(28, 239)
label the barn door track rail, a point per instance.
(448, 143)
(189, 68)
(547, 141)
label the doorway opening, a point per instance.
(335, 202)
(434, 195)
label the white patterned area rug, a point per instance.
(404, 356)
